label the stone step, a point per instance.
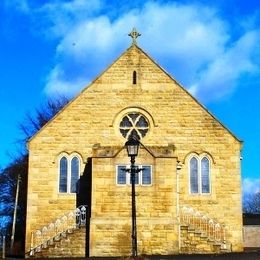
(69, 245)
(195, 241)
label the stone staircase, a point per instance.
(64, 237)
(201, 234)
(68, 245)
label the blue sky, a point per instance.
(57, 47)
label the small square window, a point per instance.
(146, 175)
(142, 177)
(121, 175)
(136, 178)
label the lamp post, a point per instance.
(132, 146)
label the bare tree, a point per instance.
(35, 121)
(19, 166)
(252, 203)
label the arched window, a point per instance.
(194, 178)
(74, 174)
(205, 175)
(63, 174)
(199, 174)
(69, 172)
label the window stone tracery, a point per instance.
(134, 124)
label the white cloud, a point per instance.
(58, 84)
(221, 75)
(62, 16)
(192, 42)
(251, 186)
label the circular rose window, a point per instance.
(134, 124)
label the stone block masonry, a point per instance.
(178, 127)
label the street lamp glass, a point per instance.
(132, 146)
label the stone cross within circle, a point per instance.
(134, 34)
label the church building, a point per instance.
(188, 182)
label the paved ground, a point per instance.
(231, 256)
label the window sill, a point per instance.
(136, 185)
(200, 194)
(67, 194)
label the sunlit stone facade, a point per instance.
(173, 127)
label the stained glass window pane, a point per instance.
(121, 175)
(142, 122)
(133, 116)
(74, 174)
(205, 187)
(125, 122)
(134, 134)
(136, 177)
(143, 132)
(194, 187)
(124, 132)
(146, 175)
(63, 174)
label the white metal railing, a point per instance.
(202, 223)
(46, 236)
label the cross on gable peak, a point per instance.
(134, 34)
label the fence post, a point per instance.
(15, 212)
(3, 248)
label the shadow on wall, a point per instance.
(84, 198)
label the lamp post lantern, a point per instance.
(132, 146)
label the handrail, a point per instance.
(45, 236)
(202, 223)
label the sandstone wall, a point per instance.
(176, 121)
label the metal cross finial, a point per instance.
(134, 34)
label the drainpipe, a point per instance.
(178, 168)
